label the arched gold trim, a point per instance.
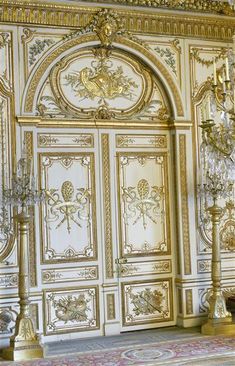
(8, 93)
(31, 90)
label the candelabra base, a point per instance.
(24, 345)
(218, 327)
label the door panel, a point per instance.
(145, 265)
(70, 232)
(69, 214)
(143, 204)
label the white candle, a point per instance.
(215, 76)
(226, 69)
(209, 109)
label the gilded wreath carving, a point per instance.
(67, 205)
(143, 203)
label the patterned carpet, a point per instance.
(199, 350)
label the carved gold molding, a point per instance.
(199, 26)
(178, 267)
(28, 140)
(180, 304)
(189, 301)
(132, 125)
(184, 204)
(110, 307)
(107, 207)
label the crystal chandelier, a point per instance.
(23, 191)
(218, 132)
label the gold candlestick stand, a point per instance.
(24, 344)
(219, 319)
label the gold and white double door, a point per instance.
(105, 243)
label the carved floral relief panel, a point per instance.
(169, 52)
(143, 204)
(146, 302)
(36, 44)
(71, 310)
(68, 218)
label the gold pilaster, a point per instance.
(24, 344)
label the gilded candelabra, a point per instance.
(24, 344)
(218, 167)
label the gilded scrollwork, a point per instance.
(65, 140)
(68, 274)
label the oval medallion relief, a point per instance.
(94, 80)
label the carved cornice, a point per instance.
(200, 26)
(209, 6)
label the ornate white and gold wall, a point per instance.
(107, 102)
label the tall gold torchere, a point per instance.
(24, 344)
(218, 176)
